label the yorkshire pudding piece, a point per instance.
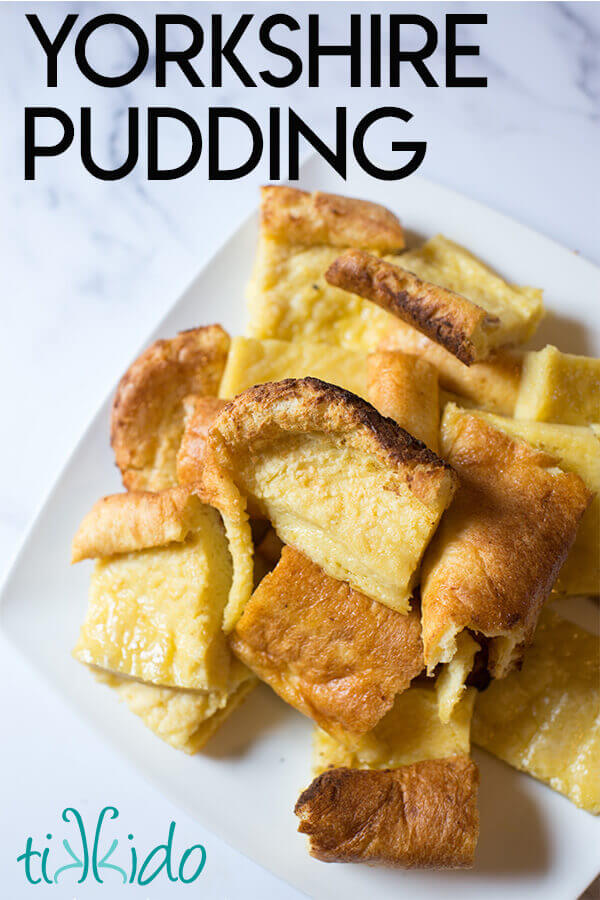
(185, 719)
(292, 216)
(164, 574)
(559, 387)
(411, 731)
(326, 649)
(491, 384)
(418, 816)
(147, 415)
(252, 361)
(545, 718)
(576, 449)
(499, 549)
(443, 291)
(461, 327)
(405, 388)
(352, 490)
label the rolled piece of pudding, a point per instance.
(468, 328)
(419, 816)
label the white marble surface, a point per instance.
(89, 267)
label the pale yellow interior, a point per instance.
(252, 361)
(355, 518)
(545, 718)
(410, 732)
(559, 387)
(156, 614)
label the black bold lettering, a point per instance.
(51, 48)
(181, 57)
(33, 150)
(111, 81)
(317, 50)
(298, 128)
(358, 143)
(133, 139)
(272, 46)
(416, 57)
(155, 113)
(453, 50)
(215, 115)
(226, 51)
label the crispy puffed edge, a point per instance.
(292, 216)
(447, 318)
(268, 411)
(136, 520)
(200, 412)
(514, 632)
(419, 816)
(191, 362)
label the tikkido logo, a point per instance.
(100, 858)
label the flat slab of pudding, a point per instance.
(252, 361)
(559, 387)
(409, 732)
(164, 574)
(500, 547)
(545, 718)
(326, 649)
(350, 489)
(577, 449)
(186, 719)
(300, 236)
(147, 416)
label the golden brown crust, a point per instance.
(199, 413)
(325, 648)
(307, 405)
(122, 523)
(491, 384)
(147, 415)
(444, 316)
(501, 545)
(405, 388)
(292, 216)
(419, 816)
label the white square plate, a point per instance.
(533, 843)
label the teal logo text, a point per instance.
(95, 855)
